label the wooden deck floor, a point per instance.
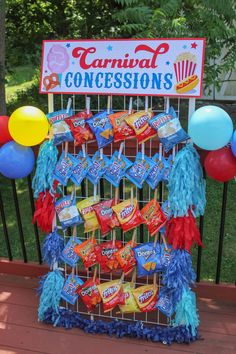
(21, 333)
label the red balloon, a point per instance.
(4, 132)
(221, 164)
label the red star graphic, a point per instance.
(194, 45)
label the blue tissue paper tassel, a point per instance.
(46, 162)
(52, 247)
(167, 335)
(51, 288)
(186, 312)
(187, 187)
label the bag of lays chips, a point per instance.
(86, 251)
(89, 293)
(69, 293)
(125, 257)
(153, 216)
(146, 297)
(98, 167)
(111, 294)
(80, 168)
(122, 130)
(106, 255)
(128, 214)
(148, 258)
(67, 212)
(116, 168)
(79, 128)
(130, 305)
(106, 217)
(140, 169)
(156, 174)
(102, 128)
(139, 122)
(88, 214)
(63, 168)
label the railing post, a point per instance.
(5, 231)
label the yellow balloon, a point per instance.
(28, 126)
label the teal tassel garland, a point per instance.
(50, 293)
(46, 162)
(187, 187)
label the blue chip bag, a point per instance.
(80, 168)
(156, 174)
(68, 292)
(63, 168)
(59, 129)
(58, 116)
(167, 212)
(116, 168)
(98, 167)
(164, 302)
(168, 163)
(102, 128)
(169, 130)
(68, 255)
(140, 169)
(148, 258)
(67, 212)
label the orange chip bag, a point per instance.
(146, 297)
(139, 123)
(130, 305)
(125, 257)
(80, 129)
(121, 129)
(86, 250)
(111, 294)
(86, 210)
(128, 214)
(153, 216)
(89, 293)
(106, 255)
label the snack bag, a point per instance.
(125, 257)
(130, 305)
(86, 210)
(102, 128)
(116, 168)
(169, 130)
(79, 128)
(167, 168)
(140, 169)
(58, 116)
(67, 212)
(86, 251)
(122, 130)
(89, 293)
(80, 168)
(128, 214)
(60, 132)
(68, 254)
(63, 168)
(68, 292)
(167, 212)
(146, 297)
(148, 258)
(98, 167)
(165, 303)
(156, 174)
(139, 122)
(111, 294)
(106, 217)
(106, 255)
(153, 216)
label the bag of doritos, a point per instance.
(68, 292)
(148, 258)
(81, 165)
(111, 294)
(98, 167)
(67, 212)
(116, 168)
(122, 130)
(89, 293)
(102, 128)
(139, 122)
(153, 216)
(156, 174)
(106, 217)
(106, 255)
(86, 251)
(146, 297)
(79, 128)
(85, 207)
(140, 169)
(128, 214)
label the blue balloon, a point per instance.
(233, 143)
(16, 161)
(210, 127)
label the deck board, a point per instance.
(21, 333)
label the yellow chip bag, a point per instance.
(139, 123)
(130, 303)
(146, 297)
(128, 214)
(86, 210)
(112, 294)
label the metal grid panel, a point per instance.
(107, 191)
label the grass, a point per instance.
(20, 79)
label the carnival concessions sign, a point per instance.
(153, 67)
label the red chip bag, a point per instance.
(112, 294)
(79, 128)
(125, 257)
(122, 130)
(86, 251)
(106, 216)
(128, 214)
(153, 216)
(105, 253)
(89, 293)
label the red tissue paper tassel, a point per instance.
(182, 232)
